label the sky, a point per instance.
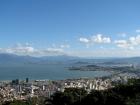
(85, 28)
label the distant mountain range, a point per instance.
(16, 59)
(6, 58)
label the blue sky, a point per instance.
(88, 28)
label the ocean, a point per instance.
(49, 71)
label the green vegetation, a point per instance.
(122, 94)
(126, 94)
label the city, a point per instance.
(24, 89)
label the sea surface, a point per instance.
(49, 71)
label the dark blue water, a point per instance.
(50, 71)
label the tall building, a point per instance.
(27, 80)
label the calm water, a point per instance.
(53, 72)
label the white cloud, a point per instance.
(26, 49)
(98, 39)
(128, 44)
(19, 49)
(84, 40)
(135, 40)
(64, 46)
(122, 43)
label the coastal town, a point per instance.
(24, 89)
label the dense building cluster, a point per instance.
(22, 90)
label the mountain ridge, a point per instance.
(6, 58)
